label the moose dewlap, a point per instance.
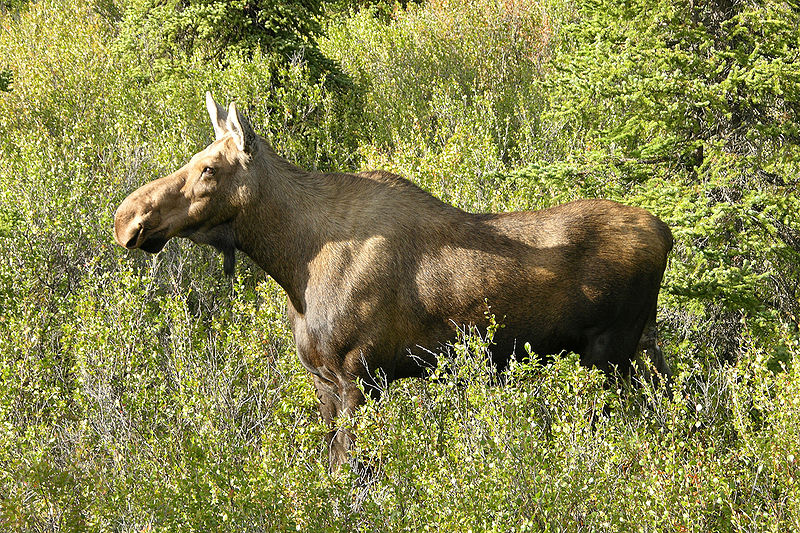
(380, 275)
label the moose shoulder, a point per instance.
(380, 274)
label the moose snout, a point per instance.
(137, 231)
(131, 221)
(127, 229)
(147, 217)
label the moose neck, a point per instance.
(284, 223)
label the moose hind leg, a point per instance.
(648, 344)
(610, 350)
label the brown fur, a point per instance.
(377, 270)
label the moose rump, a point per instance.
(380, 275)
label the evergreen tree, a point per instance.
(706, 97)
(172, 31)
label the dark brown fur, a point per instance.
(377, 270)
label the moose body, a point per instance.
(380, 275)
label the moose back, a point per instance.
(380, 275)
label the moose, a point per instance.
(381, 275)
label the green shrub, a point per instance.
(692, 111)
(151, 393)
(552, 448)
(453, 88)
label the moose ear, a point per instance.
(242, 131)
(218, 116)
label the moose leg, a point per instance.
(648, 344)
(342, 443)
(329, 405)
(339, 396)
(336, 400)
(610, 350)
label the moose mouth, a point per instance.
(153, 243)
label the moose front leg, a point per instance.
(336, 400)
(330, 403)
(343, 439)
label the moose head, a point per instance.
(202, 199)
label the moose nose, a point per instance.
(134, 238)
(128, 226)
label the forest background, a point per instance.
(143, 393)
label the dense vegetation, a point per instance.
(146, 393)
